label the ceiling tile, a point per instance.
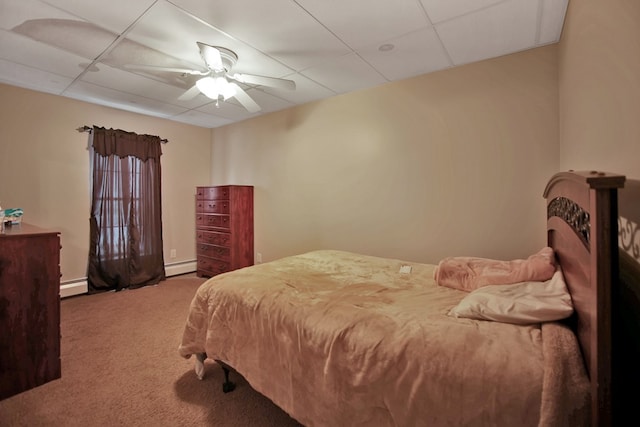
(24, 51)
(88, 92)
(552, 20)
(439, 11)
(169, 29)
(501, 29)
(14, 13)
(114, 15)
(200, 118)
(279, 28)
(416, 53)
(268, 102)
(32, 78)
(113, 78)
(79, 37)
(344, 74)
(54, 28)
(362, 23)
(158, 28)
(306, 90)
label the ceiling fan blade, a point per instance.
(244, 99)
(168, 69)
(264, 81)
(189, 94)
(211, 56)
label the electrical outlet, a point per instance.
(172, 254)
(258, 257)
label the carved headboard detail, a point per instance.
(573, 215)
(629, 237)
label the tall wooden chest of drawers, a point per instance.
(29, 308)
(224, 228)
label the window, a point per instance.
(126, 220)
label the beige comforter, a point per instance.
(341, 339)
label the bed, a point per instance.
(343, 339)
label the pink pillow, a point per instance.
(469, 273)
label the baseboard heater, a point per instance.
(80, 286)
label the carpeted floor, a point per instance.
(120, 367)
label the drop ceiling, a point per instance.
(85, 49)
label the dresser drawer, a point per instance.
(216, 206)
(212, 193)
(212, 206)
(212, 251)
(211, 267)
(213, 238)
(207, 220)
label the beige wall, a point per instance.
(44, 169)
(448, 163)
(599, 75)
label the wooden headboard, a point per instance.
(582, 228)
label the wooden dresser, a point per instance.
(224, 228)
(29, 308)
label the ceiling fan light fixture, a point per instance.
(217, 82)
(213, 87)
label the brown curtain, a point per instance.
(126, 215)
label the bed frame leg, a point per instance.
(227, 385)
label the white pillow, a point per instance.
(520, 303)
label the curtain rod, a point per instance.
(88, 129)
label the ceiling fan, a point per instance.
(215, 81)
